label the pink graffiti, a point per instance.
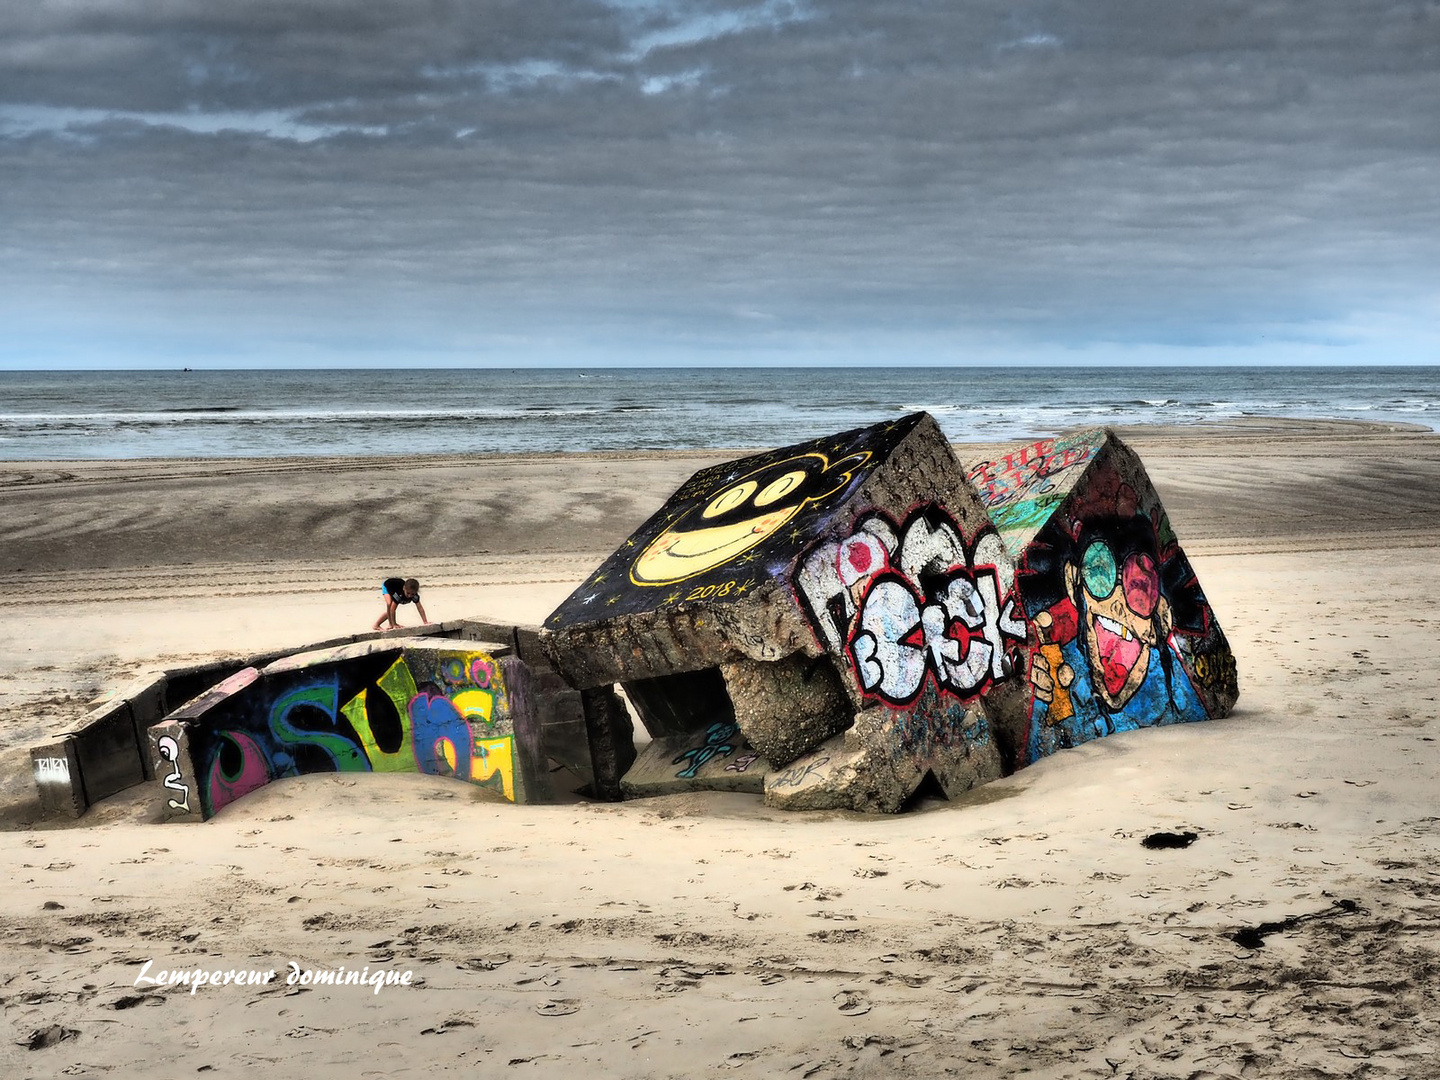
(482, 672)
(253, 774)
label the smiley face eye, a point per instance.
(778, 489)
(729, 499)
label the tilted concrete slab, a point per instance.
(708, 578)
(1121, 634)
(788, 706)
(718, 759)
(885, 758)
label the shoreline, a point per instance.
(1313, 427)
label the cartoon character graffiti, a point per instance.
(747, 510)
(915, 601)
(170, 753)
(1109, 598)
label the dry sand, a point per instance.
(1025, 929)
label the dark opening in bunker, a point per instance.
(681, 703)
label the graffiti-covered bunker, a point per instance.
(469, 700)
(832, 624)
(839, 622)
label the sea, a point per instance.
(75, 415)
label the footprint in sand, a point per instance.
(852, 1003)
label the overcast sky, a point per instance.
(511, 182)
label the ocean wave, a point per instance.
(42, 422)
(253, 414)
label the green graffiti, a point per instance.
(345, 754)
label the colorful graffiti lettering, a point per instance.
(316, 701)
(170, 753)
(718, 743)
(389, 722)
(916, 602)
(238, 769)
(1112, 597)
(398, 753)
(494, 765)
(1020, 489)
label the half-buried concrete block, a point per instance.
(109, 755)
(796, 591)
(56, 767)
(426, 705)
(173, 764)
(194, 785)
(1121, 635)
(788, 706)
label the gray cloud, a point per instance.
(675, 179)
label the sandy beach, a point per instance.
(1025, 928)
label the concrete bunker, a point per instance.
(834, 624)
(467, 699)
(726, 619)
(838, 622)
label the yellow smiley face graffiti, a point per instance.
(742, 514)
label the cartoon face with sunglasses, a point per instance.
(1123, 617)
(1103, 621)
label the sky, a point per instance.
(288, 183)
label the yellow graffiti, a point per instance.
(475, 705)
(495, 757)
(687, 547)
(399, 687)
(474, 684)
(491, 759)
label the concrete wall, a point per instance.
(109, 750)
(413, 705)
